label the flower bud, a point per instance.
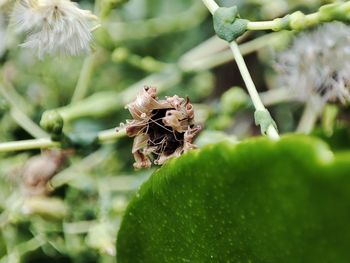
(52, 122)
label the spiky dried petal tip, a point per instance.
(162, 129)
(53, 26)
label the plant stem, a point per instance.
(259, 106)
(103, 103)
(84, 78)
(28, 145)
(298, 21)
(83, 166)
(16, 113)
(154, 27)
(278, 24)
(262, 25)
(311, 112)
(24, 248)
(224, 56)
(211, 5)
(106, 136)
(275, 96)
(27, 124)
(110, 135)
(246, 77)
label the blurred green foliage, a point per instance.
(79, 219)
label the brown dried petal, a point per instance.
(163, 158)
(177, 120)
(189, 110)
(176, 102)
(145, 103)
(140, 142)
(135, 127)
(188, 138)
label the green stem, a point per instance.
(24, 248)
(83, 166)
(84, 78)
(300, 21)
(295, 21)
(80, 227)
(254, 95)
(222, 57)
(154, 27)
(106, 136)
(276, 96)
(104, 103)
(27, 124)
(329, 119)
(259, 106)
(9, 93)
(246, 77)
(28, 145)
(211, 5)
(312, 111)
(110, 135)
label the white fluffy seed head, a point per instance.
(318, 62)
(53, 26)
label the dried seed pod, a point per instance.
(38, 171)
(162, 129)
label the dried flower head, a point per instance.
(162, 128)
(318, 62)
(53, 26)
(39, 170)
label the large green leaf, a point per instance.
(257, 201)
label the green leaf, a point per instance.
(264, 120)
(227, 24)
(257, 201)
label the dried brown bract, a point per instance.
(162, 128)
(39, 170)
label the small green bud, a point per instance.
(264, 120)
(234, 99)
(120, 54)
(282, 23)
(336, 11)
(202, 85)
(227, 24)
(298, 21)
(151, 65)
(221, 122)
(52, 122)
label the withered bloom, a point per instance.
(39, 170)
(162, 128)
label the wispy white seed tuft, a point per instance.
(318, 62)
(53, 26)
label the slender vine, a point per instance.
(226, 28)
